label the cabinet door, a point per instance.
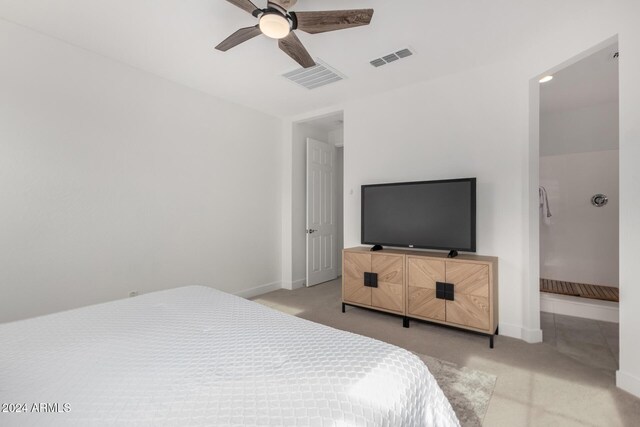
(471, 295)
(422, 277)
(390, 290)
(353, 288)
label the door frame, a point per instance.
(289, 280)
(532, 279)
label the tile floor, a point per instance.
(591, 342)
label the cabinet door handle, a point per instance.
(371, 280)
(449, 292)
(445, 291)
(311, 231)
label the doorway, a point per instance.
(318, 159)
(579, 207)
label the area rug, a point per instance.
(468, 390)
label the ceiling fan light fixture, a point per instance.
(274, 25)
(277, 22)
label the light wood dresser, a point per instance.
(461, 292)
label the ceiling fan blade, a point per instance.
(285, 4)
(240, 36)
(332, 20)
(245, 5)
(292, 46)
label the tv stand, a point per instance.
(460, 292)
(452, 254)
(376, 248)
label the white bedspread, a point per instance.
(195, 356)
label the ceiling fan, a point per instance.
(277, 22)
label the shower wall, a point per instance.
(578, 159)
(581, 242)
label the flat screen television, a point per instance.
(428, 214)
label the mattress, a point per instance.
(195, 356)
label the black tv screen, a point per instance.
(428, 215)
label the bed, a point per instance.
(200, 357)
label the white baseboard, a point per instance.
(509, 330)
(296, 284)
(532, 336)
(628, 383)
(259, 290)
(606, 311)
(515, 331)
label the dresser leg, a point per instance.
(343, 307)
(405, 322)
(497, 330)
(491, 341)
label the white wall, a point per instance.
(454, 127)
(336, 137)
(581, 242)
(114, 180)
(591, 128)
(628, 376)
(340, 204)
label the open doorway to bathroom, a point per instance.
(579, 207)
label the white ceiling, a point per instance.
(590, 81)
(176, 39)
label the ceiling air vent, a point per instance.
(401, 54)
(314, 77)
(390, 58)
(404, 53)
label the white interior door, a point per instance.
(322, 227)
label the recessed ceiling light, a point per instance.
(546, 79)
